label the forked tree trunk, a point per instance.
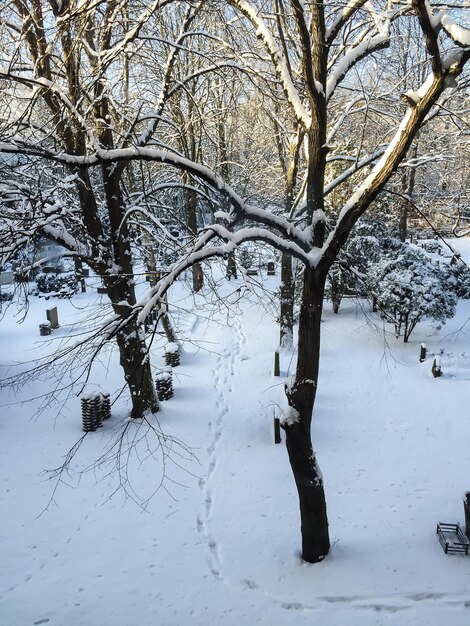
(301, 397)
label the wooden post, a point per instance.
(422, 353)
(277, 430)
(277, 370)
(466, 504)
(52, 317)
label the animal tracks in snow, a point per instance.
(222, 376)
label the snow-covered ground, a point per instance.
(219, 541)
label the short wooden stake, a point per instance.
(422, 353)
(277, 430)
(277, 369)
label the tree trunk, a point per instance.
(79, 277)
(190, 207)
(286, 320)
(301, 397)
(231, 269)
(121, 291)
(312, 502)
(137, 371)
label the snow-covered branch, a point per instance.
(370, 43)
(342, 17)
(264, 33)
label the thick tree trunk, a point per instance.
(301, 398)
(121, 291)
(286, 318)
(312, 502)
(137, 371)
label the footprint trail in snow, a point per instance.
(223, 374)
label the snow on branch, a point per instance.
(342, 18)
(43, 84)
(165, 91)
(204, 249)
(369, 44)
(358, 165)
(459, 35)
(239, 209)
(133, 33)
(280, 64)
(430, 32)
(413, 119)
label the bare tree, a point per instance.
(70, 69)
(310, 55)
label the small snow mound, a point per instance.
(290, 416)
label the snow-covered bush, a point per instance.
(56, 283)
(369, 241)
(432, 246)
(245, 257)
(408, 287)
(458, 278)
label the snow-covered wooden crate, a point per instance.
(452, 538)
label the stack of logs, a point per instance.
(172, 354)
(164, 384)
(96, 407)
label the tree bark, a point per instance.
(301, 397)
(190, 207)
(137, 371)
(286, 318)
